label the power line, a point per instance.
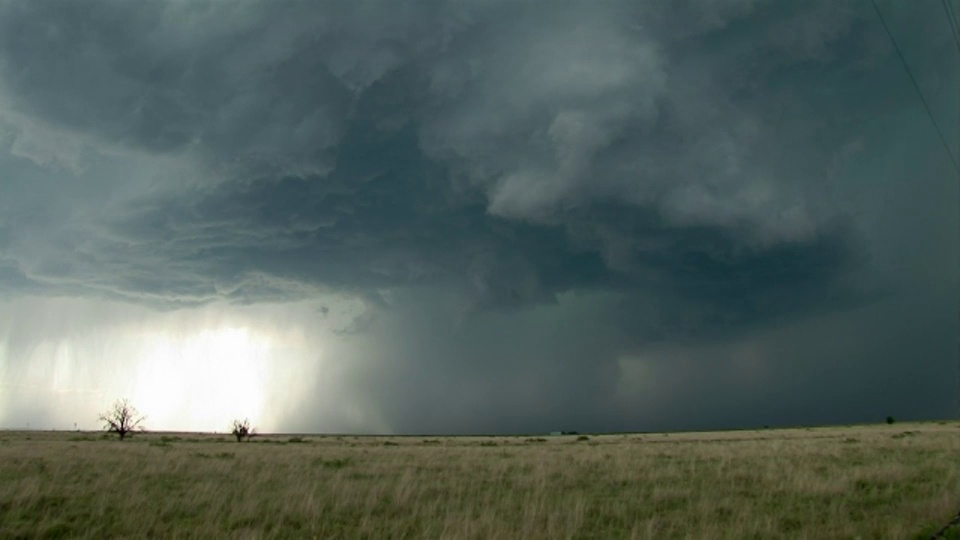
(952, 21)
(916, 87)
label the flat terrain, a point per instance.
(896, 481)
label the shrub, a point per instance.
(241, 430)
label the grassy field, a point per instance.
(897, 481)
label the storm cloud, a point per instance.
(506, 216)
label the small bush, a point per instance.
(583, 438)
(241, 429)
(890, 420)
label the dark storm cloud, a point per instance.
(521, 197)
(168, 77)
(394, 226)
(604, 119)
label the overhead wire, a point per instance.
(916, 87)
(952, 21)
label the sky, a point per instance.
(478, 216)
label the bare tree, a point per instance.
(122, 419)
(242, 430)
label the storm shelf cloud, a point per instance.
(477, 216)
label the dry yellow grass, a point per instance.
(898, 481)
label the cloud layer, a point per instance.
(528, 204)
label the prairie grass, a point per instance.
(898, 481)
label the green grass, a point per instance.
(898, 481)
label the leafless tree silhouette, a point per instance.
(122, 419)
(242, 430)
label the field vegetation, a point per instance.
(883, 481)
